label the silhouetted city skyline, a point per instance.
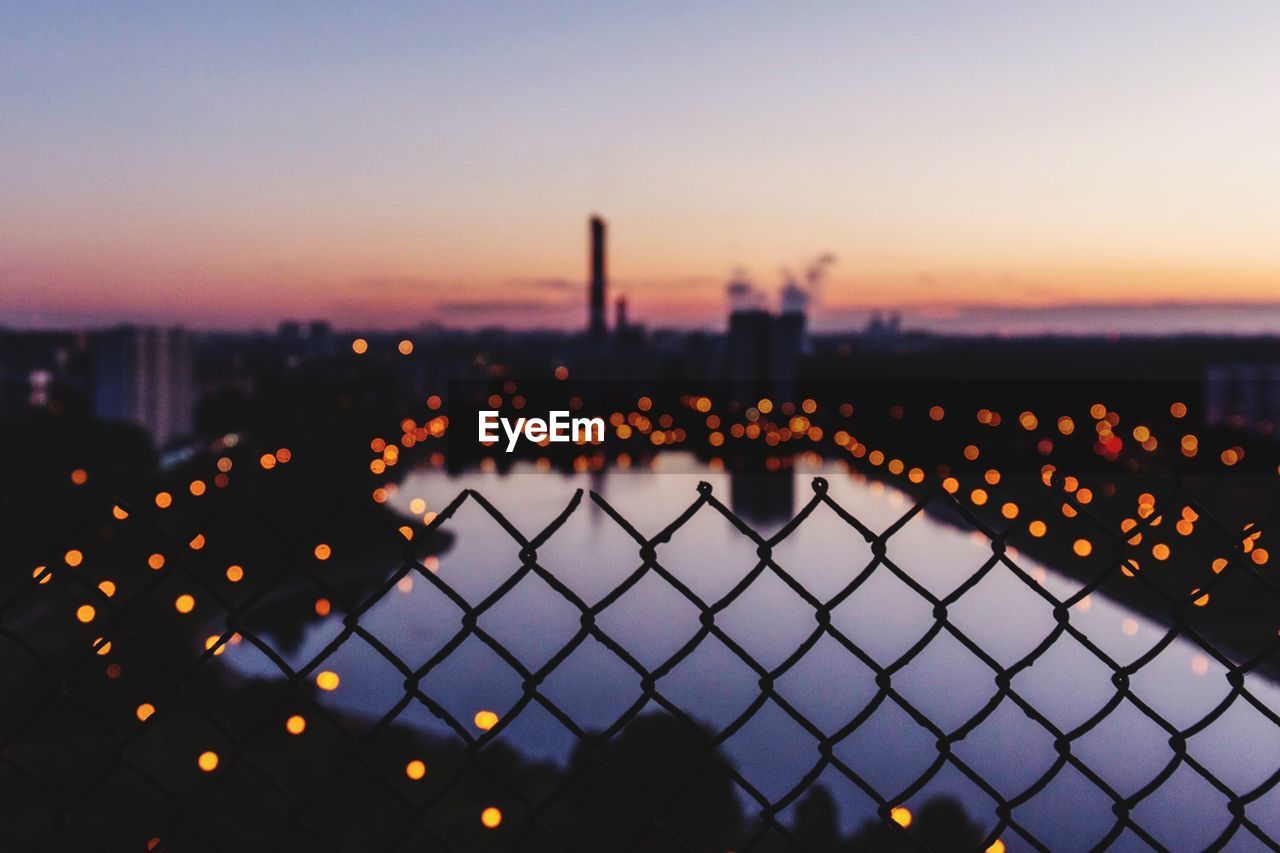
(237, 167)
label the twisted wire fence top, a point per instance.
(92, 762)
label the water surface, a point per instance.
(592, 554)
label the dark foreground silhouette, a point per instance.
(654, 787)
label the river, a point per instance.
(591, 554)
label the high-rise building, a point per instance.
(597, 323)
(749, 346)
(145, 376)
(305, 339)
(763, 349)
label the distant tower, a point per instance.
(598, 325)
(620, 314)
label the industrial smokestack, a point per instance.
(597, 323)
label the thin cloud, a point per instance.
(397, 283)
(555, 285)
(473, 307)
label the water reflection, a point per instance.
(829, 685)
(761, 497)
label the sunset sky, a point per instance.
(234, 164)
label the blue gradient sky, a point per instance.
(239, 163)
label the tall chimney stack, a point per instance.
(598, 324)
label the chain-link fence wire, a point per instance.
(86, 770)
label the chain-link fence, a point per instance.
(123, 727)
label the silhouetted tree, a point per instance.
(940, 826)
(816, 822)
(652, 783)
